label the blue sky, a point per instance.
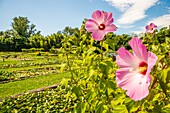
(50, 16)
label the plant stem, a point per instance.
(67, 58)
(68, 63)
(101, 50)
(154, 82)
(155, 78)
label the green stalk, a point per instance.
(68, 63)
(101, 50)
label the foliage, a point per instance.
(22, 27)
(24, 36)
(95, 88)
(29, 65)
(92, 86)
(48, 101)
(17, 38)
(12, 89)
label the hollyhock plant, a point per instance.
(100, 24)
(150, 28)
(134, 73)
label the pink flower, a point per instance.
(134, 72)
(150, 28)
(100, 24)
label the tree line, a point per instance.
(24, 35)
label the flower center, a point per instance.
(101, 26)
(142, 68)
(151, 28)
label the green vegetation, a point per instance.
(28, 71)
(54, 100)
(28, 65)
(17, 87)
(89, 70)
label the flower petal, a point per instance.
(152, 25)
(108, 16)
(147, 27)
(110, 28)
(139, 50)
(152, 58)
(91, 25)
(98, 16)
(150, 28)
(151, 31)
(139, 90)
(126, 81)
(108, 22)
(125, 59)
(120, 73)
(98, 35)
(135, 83)
(108, 19)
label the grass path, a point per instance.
(30, 67)
(22, 86)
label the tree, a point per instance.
(68, 31)
(22, 26)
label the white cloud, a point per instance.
(139, 31)
(161, 21)
(133, 10)
(125, 26)
(122, 5)
(168, 9)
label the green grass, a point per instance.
(30, 67)
(22, 86)
(32, 60)
(14, 61)
(17, 87)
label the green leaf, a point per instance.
(91, 50)
(166, 109)
(160, 57)
(135, 105)
(80, 107)
(76, 90)
(99, 108)
(120, 109)
(155, 47)
(111, 44)
(62, 67)
(105, 67)
(156, 97)
(105, 46)
(164, 79)
(111, 85)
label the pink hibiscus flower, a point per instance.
(100, 24)
(134, 72)
(150, 28)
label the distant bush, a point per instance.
(33, 50)
(53, 50)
